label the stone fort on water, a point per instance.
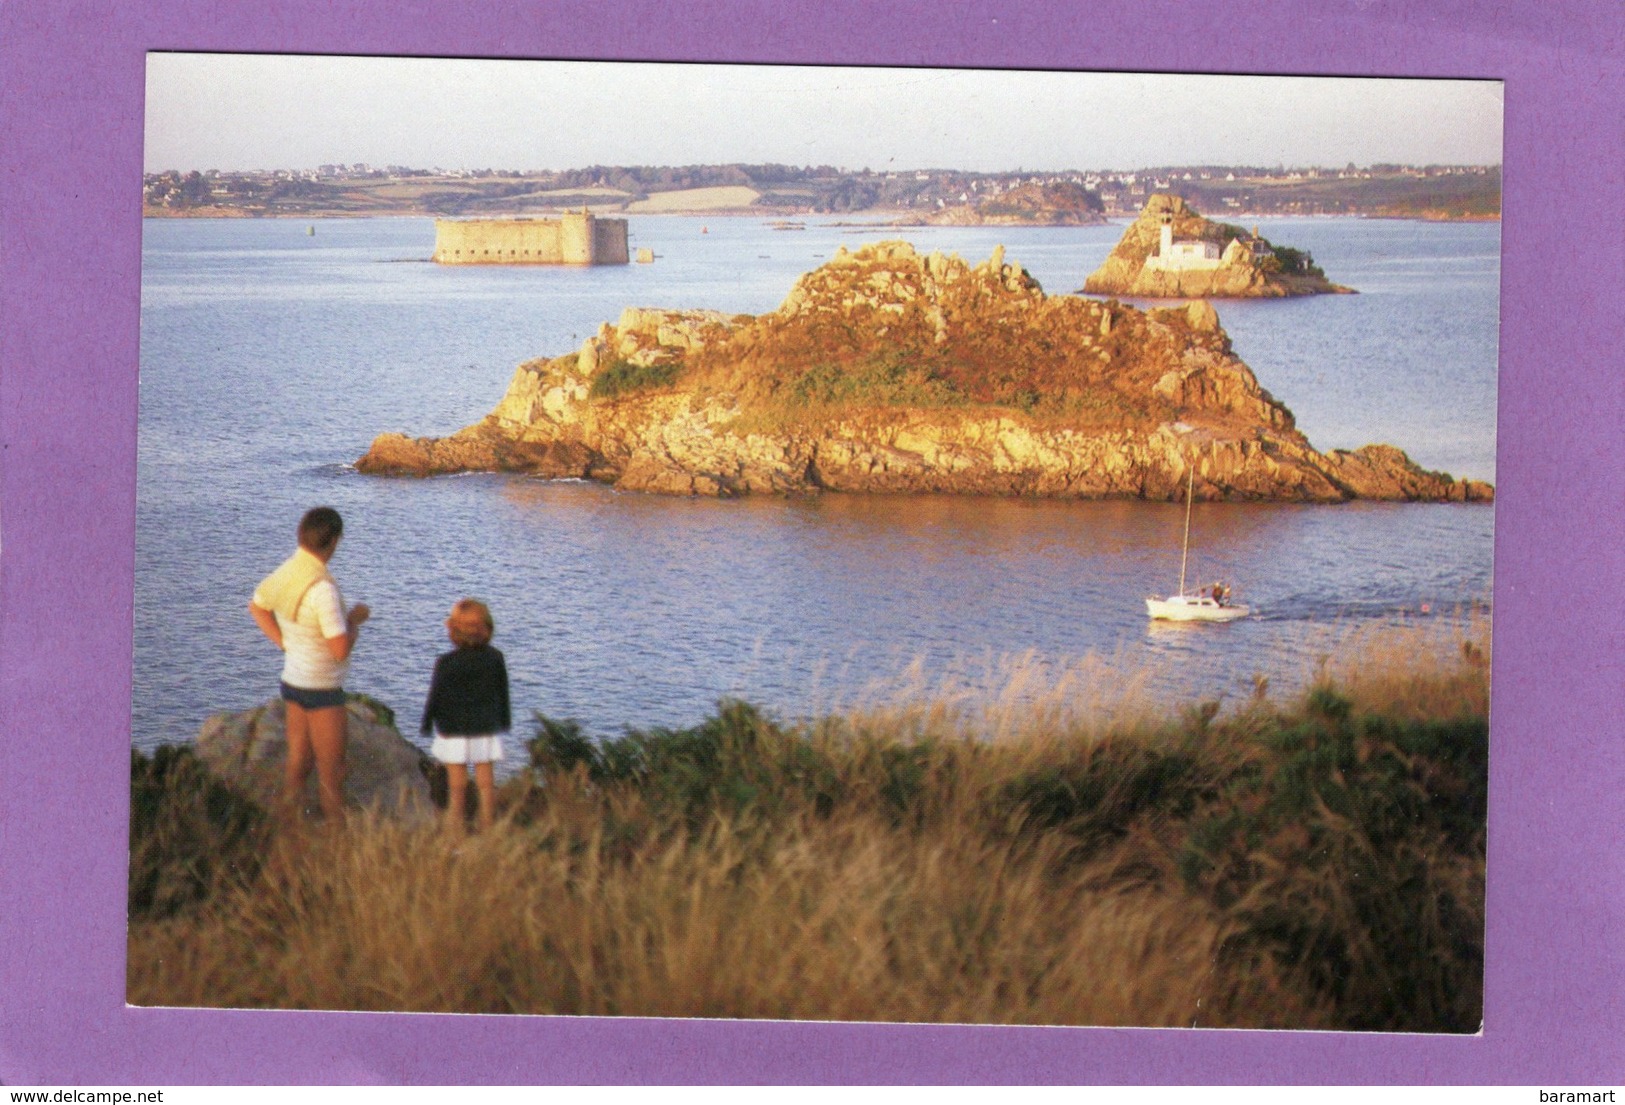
(574, 238)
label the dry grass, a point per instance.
(1432, 668)
(850, 920)
(1317, 865)
(721, 198)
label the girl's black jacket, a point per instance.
(468, 696)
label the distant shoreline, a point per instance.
(929, 197)
(902, 222)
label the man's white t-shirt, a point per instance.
(307, 661)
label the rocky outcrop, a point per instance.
(887, 370)
(246, 751)
(1064, 204)
(1242, 265)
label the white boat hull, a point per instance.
(1193, 608)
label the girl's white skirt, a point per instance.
(467, 750)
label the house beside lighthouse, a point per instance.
(1200, 254)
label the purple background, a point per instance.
(70, 182)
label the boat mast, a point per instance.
(1185, 552)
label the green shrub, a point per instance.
(1353, 849)
(892, 381)
(736, 761)
(620, 377)
(560, 745)
(188, 833)
(1298, 262)
(1098, 799)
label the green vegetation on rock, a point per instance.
(621, 377)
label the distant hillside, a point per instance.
(936, 195)
(1391, 192)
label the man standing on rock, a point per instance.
(299, 608)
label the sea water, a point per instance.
(271, 356)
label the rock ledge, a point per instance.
(246, 750)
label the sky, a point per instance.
(245, 112)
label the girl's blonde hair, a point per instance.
(470, 623)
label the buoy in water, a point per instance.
(310, 231)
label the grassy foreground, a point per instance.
(1314, 864)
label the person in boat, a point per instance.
(1221, 594)
(299, 609)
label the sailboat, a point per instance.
(1193, 606)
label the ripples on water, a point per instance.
(270, 358)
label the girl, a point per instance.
(468, 710)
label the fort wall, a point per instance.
(609, 242)
(573, 239)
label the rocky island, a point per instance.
(1171, 251)
(887, 370)
(1060, 204)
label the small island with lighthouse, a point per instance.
(1171, 251)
